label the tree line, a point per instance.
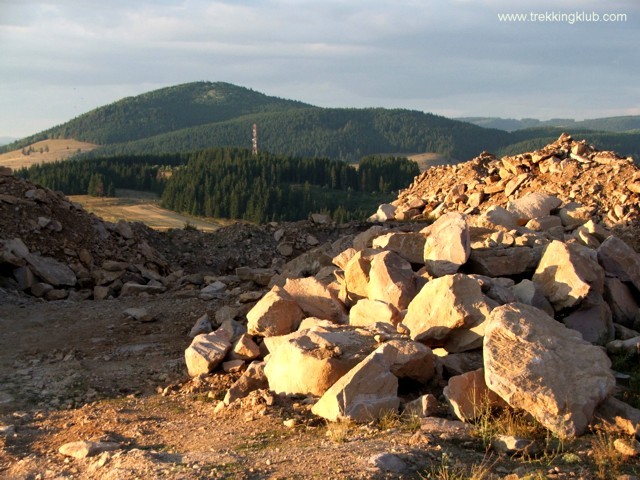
(233, 183)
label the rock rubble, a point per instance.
(510, 296)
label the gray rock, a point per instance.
(624, 306)
(593, 320)
(51, 271)
(202, 325)
(620, 260)
(388, 462)
(132, 288)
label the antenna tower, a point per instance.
(254, 150)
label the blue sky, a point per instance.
(62, 58)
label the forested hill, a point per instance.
(199, 115)
(164, 110)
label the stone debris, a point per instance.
(505, 299)
(513, 297)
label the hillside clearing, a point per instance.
(144, 207)
(45, 151)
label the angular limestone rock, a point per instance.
(356, 273)
(593, 320)
(504, 261)
(469, 396)
(310, 361)
(448, 246)
(567, 273)
(315, 299)
(620, 415)
(391, 280)
(533, 205)
(443, 305)
(244, 348)
(620, 260)
(275, 314)
(538, 365)
(530, 293)
(368, 312)
(206, 352)
(51, 271)
(365, 392)
(411, 360)
(624, 306)
(409, 246)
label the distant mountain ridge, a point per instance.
(628, 123)
(199, 115)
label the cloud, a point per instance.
(425, 54)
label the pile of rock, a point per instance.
(598, 184)
(53, 249)
(510, 307)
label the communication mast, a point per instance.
(254, 150)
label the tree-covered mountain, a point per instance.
(201, 115)
(164, 110)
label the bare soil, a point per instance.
(84, 371)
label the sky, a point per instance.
(562, 59)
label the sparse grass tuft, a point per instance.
(447, 471)
(338, 432)
(407, 421)
(606, 458)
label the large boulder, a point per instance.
(206, 352)
(448, 246)
(315, 299)
(444, 305)
(538, 365)
(363, 394)
(567, 273)
(310, 361)
(391, 280)
(275, 314)
(620, 260)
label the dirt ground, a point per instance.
(84, 371)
